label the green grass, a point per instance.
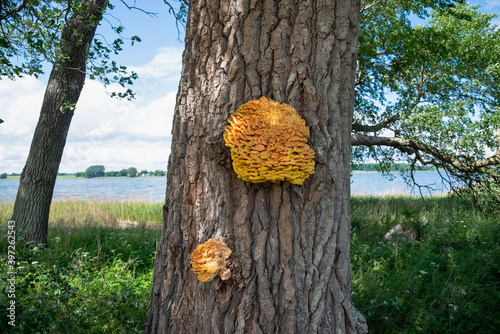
(441, 276)
(96, 276)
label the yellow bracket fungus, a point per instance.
(209, 260)
(268, 142)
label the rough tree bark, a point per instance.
(290, 263)
(34, 196)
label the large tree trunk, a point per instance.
(32, 206)
(290, 263)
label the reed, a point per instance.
(76, 213)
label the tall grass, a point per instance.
(440, 275)
(83, 213)
(94, 278)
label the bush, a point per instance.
(78, 292)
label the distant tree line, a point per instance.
(396, 167)
(4, 175)
(100, 171)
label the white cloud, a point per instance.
(20, 100)
(159, 75)
(165, 64)
(115, 133)
(492, 4)
(119, 134)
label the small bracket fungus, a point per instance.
(268, 142)
(209, 260)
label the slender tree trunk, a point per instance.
(290, 264)
(32, 206)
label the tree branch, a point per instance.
(139, 9)
(376, 127)
(410, 145)
(369, 6)
(498, 141)
(359, 74)
(8, 13)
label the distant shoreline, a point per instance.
(72, 176)
(152, 188)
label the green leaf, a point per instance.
(3, 42)
(441, 78)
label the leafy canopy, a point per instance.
(431, 91)
(30, 37)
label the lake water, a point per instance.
(152, 189)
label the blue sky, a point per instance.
(105, 131)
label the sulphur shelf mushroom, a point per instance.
(208, 260)
(268, 142)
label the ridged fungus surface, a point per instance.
(268, 142)
(208, 260)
